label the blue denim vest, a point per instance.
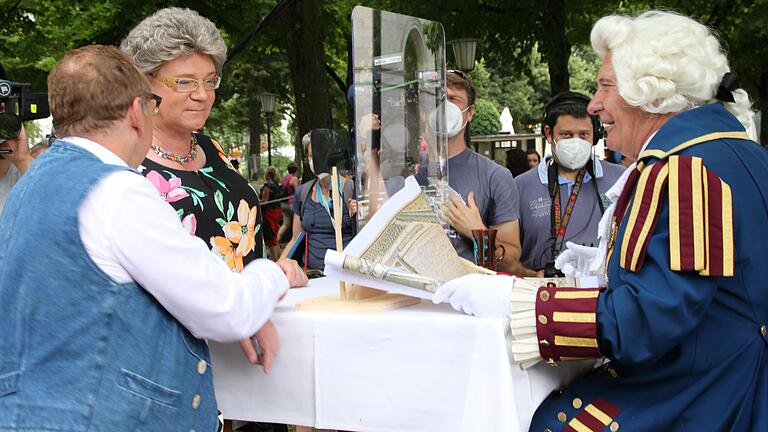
(79, 352)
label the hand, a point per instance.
(370, 122)
(21, 157)
(294, 273)
(478, 295)
(266, 347)
(463, 218)
(352, 206)
(576, 260)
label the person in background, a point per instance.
(129, 295)
(533, 158)
(552, 216)
(517, 162)
(290, 183)
(182, 54)
(272, 210)
(487, 188)
(314, 215)
(683, 320)
(15, 163)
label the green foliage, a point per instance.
(34, 133)
(486, 120)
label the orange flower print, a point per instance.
(223, 247)
(222, 155)
(243, 229)
(239, 237)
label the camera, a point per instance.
(20, 105)
(551, 271)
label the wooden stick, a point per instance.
(337, 217)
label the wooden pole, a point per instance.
(338, 207)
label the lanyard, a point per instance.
(559, 226)
(327, 202)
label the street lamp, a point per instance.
(464, 52)
(267, 101)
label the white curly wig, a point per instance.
(171, 33)
(665, 63)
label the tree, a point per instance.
(486, 120)
(307, 64)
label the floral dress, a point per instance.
(214, 203)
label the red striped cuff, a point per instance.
(566, 323)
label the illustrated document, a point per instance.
(404, 249)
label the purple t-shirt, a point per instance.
(535, 209)
(494, 188)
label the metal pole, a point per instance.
(269, 139)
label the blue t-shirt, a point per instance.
(317, 224)
(495, 193)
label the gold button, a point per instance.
(577, 403)
(762, 330)
(614, 426)
(561, 417)
(543, 319)
(196, 401)
(613, 372)
(544, 295)
(547, 430)
(201, 367)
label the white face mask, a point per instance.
(454, 120)
(572, 153)
(312, 168)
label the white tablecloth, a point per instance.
(421, 368)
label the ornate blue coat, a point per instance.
(683, 319)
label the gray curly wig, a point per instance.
(171, 33)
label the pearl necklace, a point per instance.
(180, 159)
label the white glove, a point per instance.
(477, 294)
(576, 261)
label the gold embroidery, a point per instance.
(575, 341)
(574, 317)
(598, 414)
(569, 295)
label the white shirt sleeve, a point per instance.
(132, 234)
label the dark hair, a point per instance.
(533, 151)
(235, 163)
(292, 168)
(517, 162)
(462, 81)
(567, 103)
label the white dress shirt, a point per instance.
(132, 234)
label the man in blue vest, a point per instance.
(105, 299)
(682, 321)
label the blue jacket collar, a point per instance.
(691, 124)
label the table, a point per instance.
(421, 368)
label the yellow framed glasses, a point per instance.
(189, 85)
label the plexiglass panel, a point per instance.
(399, 102)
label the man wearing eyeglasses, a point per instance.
(487, 189)
(102, 319)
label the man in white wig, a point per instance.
(682, 321)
